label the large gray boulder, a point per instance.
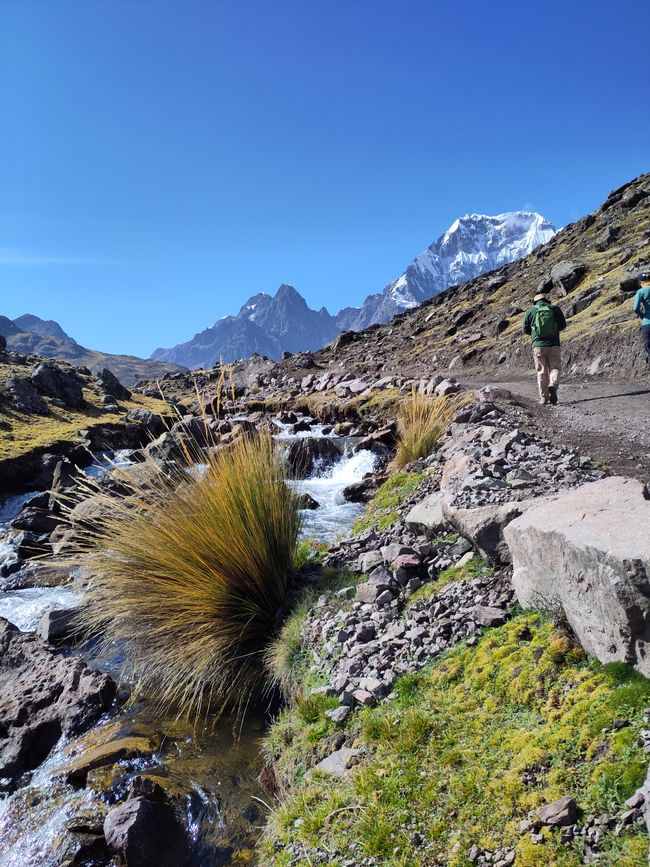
(484, 526)
(427, 515)
(587, 552)
(58, 382)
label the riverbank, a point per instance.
(427, 720)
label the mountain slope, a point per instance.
(44, 327)
(43, 339)
(473, 245)
(266, 325)
(588, 267)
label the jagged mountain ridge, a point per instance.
(270, 325)
(31, 335)
(473, 245)
(265, 324)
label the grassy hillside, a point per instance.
(22, 432)
(468, 750)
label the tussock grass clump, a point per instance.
(191, 573)
(421, 422)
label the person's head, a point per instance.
(541, 296)
(644, 278)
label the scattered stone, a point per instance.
(559, 813)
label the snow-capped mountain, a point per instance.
(269, 324)
(265, 324)
(472, 245)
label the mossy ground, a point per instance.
(464, 752)
(476, 568)
(24, 432)
(384, 508)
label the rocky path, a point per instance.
(609, 421)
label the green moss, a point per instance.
(466, 750)
(384, 508)
(476, 568)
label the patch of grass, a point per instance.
(191, 574)
(421, 422)
(466, 750)
(383, 509)
(476, 568)
(27, 432)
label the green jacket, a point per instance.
(642, 304)
(559, 318)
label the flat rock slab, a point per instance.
(427, 514)
(338, 763)
(43, 695)
(118, 750)
(587, 551)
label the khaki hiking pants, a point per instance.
(548, 362)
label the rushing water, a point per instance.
(335, 516)
(215, 772)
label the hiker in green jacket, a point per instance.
(544, 321)
(642, 309)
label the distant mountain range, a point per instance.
(34, 336)
(473, 245)
(264, 324)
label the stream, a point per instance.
(214, 771)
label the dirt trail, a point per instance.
(608, 421)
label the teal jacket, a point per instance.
(559, 318)
(642, 304)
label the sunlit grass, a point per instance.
(191, 573)
(422, 421)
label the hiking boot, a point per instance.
(543, 401)
(552, 394)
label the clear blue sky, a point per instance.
(163, 160)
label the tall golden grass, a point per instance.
(191, 573)
(421, 423)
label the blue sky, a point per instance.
(161, 161)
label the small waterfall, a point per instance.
(335, 515)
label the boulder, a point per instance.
(35, 520)
(487, 615)
(584, 552)
(350, 388)
(306, 501)
(59, 626)
(23, 396)
(339, 762)
(484, 526)
(59, 383)
(427, 515)
(43, 695)
(446, 387)
(110, 384)
(143, 833)
(304, 454)
(118, 749)
(559, 814)
(566, 275)
(363, 491)
(167, 447)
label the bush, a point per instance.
(422, 421)
(191, 574)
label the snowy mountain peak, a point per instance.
(472, 245)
